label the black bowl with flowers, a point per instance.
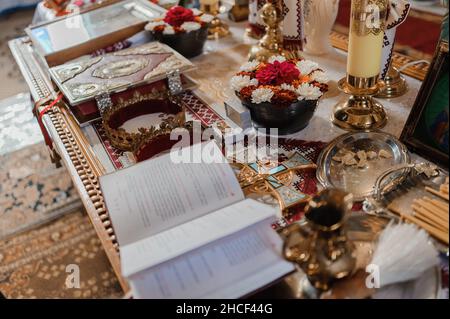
(189, 44)
(279, 93)
(184, 30)
(286, 119)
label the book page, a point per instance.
(228, 268)
(157, 194)
(171, 243)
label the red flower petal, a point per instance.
(277, 73)
(177, 15)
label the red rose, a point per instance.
(177, 15)
(277, 73)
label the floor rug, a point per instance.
(32, 190)
(64, 259)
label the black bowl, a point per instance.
(288, 119)
(188, 44)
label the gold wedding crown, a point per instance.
(115, 114)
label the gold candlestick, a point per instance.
(318, 244)
(361, 111)
(272, 42)
(217, 28)
(395, 84)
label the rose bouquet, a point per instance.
(179, 20)
(279, 81)
(185, 30)
(280, 93)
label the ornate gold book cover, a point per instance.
(115, 72)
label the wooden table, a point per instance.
(72, 148)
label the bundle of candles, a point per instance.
(431, 214)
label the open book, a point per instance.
(186, 231)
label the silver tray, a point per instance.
(359, 181)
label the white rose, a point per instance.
(196, 12)
(153, 24)
(319, 76)
(287, 87)
(238, 82)
(190, 26)
(308, 92)
(207, 18)
(169, 30)
(306, 67)
(261, 95)
(278, 58)
(249, 66)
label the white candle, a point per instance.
(366, 37)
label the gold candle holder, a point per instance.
(318, 244)
(361, 111)
(217, 28)
(272, 42)
(395, 84)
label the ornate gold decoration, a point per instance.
(169, 64)
(154, 47)
(67, 72)
(76, 154)
(117, 69)
(127, 141)
(86, 171)
(368, 16)
(272, 42)
(319, 246)
(360, 111)
(84, 89)
(261, 181)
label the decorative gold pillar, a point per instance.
(272, 42)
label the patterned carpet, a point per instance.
(32, 190)
(40, 263)
(42, 227)
(45, 231)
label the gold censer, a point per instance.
(318, 244)
(361, 111)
